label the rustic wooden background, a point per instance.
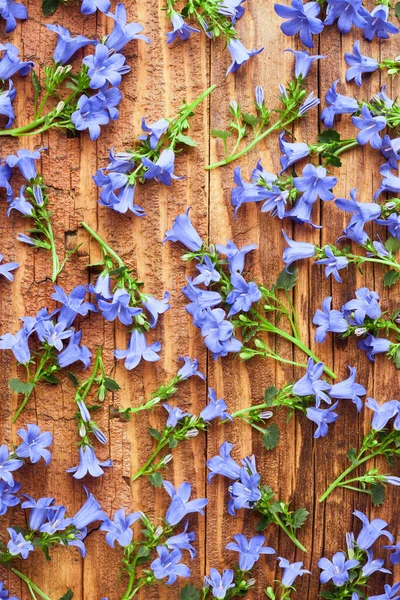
(300, 468)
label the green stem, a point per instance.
(362, 259)
(346, 147)
(34, 381)
(105, 247)
(184, 115)
(291, 535)
(128, 590)
(161, 444)
(30, 584)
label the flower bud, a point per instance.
(259, 96)
(359, 331)
(267, 414)
(158, 532)
(192, 433)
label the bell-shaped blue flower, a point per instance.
(359, 64)
(137, 350)
(302, 19)
(239, 54)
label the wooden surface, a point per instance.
(300, 468)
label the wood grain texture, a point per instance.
(300, 468)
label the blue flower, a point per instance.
(243, 294)
(137, 350)
(239, 54)
(261, 176)
(95, 111)
(296, 251)
(322, 418)
(168, 565)
(8, 497)
(18, 344)
(119, 529)
(66, 44)
(338, 105)
(163, 169)
(373, 565)
(223, 464)
(369, 127)
(6, 268)
(175, 414)
(359, 64)
(89, 7)
(18, 545)
(21, 204)
(89, 513)
(372, 346)
(232, 9)
(395, 555)
(328, 320)
(120, 162)
(101, 287)
(25, 160)
(276, 202)
(219, 584)
(382, 412)
(315, 184)
(55, 520)
(218, 333)
(183, 232)
(337, 569)
(189, 368)
(74, 352)
(39, 510)
(347, 13)
(392, 223)
(123, 32)
(235, 256)
(363, 212)
(215, 408)
(180, 504)
(156, 131)
(245, 492)
(291, 152)
(333, 263)
(5, 174)
(390, 593)
(390, 181)
(109, 184)
(72, 304)
(54, 334)
(246, 192)
(370, 531)
(311, 384)
(302, 19)
(390, 150)
(291, 571)
(182, 541)
(34, 444)
(6, 109)
(5, 594)
(88, 464)
(365, 305)
(105, 67)
(199, 300)
(155, 307)
(349, 389)
(180, 30)
(119, 307)
(304, 62)
(378, 24)
(8, 465)
(10, 11)
(301, 212)
(249, 550)
(310, 102)
(10, 63)
(207, 272)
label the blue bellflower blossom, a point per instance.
(183, 232)
(105, 67)
(180, 504)
(276, 202)
(10, 63)
(390, 181)
(18, 344)
(333, 264)
(328, 321)
(8, 496)
(102, 287)
(394, 557)
(5, 594)
(302, 19)
(96, 110)
(378, 24)
(322, 418)
(383, 413)
(66, 44)
(39, 510)
(120, 162)
(163, 169)
(359, 64)
(338, 104)
(311, 384)
(349, 389)
(168, 564)
(74, 352)
(235, 256)
(218, 333)
(137, 350)
(304, 62)
(239, 55)
(119, 308)
(190, 368)
(245, 492)
(291, 571)
(218, 583)
(54, 334)
(215, 408)
(123, 32)
(20, 204)
(8, 465)
(261, 176)
(34, 444)
(347, 13)
(365, 305)
(370, 531)
(336, 570)
(6, 268)
(373, 565)
(73, 304)
(392, 223)
(373, 345)
(155, 307)
(362, 212)
(6, 109)
(249, 550)
(246, 192)
(243, 295)
(180, 30)
(89, 464)
(108, 185)
(182, 541)
(296, 251)
(175, 414)
(199, 300)
(25, 160)
(223, 464)
(155, 131)
(5, 174)
(89, 513)
(390, 593)
(89, 7)
(369, 127)
(10, 11)
(291, 151)
(18, 545)
(207, 272)
(232, 9)
(119, 528)
(315, 184)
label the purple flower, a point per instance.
(10, 11)
(315, 184)
(261, 176)
(243, 294)
(390, 593)
(175, 414)
(363, 212)
(72, 304)
(328, 321)
(18, 545)
(89, 7)
(66, 44)
(54, 334)
(333, 263)
(390, 150)
(21, 204)
(119, 529)
(8, 497)
(291, 152)
(183, 232)
(349, 389)
(182, 541)
(120, 162)
(105, 67)
(10, 63)
(378, 24)
(6, 109)
(18, 344)
(322, 418)
(156, 130)
(180, 30)
(8, 465)
(373, 565)
(207, 272)
(370, 531)
(291, 571)
(249, 550)
(382, 412)
(245, 492)
(74, 352)
(246, 192)
(123, 32)
(301, 19)
(347, 13)
(311, 384)
(180, 504)
(395, 555)
(34, 444)
(168, 565)
(276, 202)
(109, 184)
(365, 305)
(304, 61)
(390, 181)
(163, 169)
(369, 127)
(89, 464)
(235, 256)
(338, 105)
(337, 569)
(239, 54)
(372, 346)
(232, 9)
(5, 594)
(215, 408)
(25, 160)
(137, 350)
(102, 286)
(189, 368)
(155, 307)
(5, 174)
(200, 299)
(218, 333)
(219, 584)
(6, 268)
(296, 251)
(89, 513)
(359, 64)
(119, 307)
(310, 102)
(223, 464)
(39, 510)
(95, 111)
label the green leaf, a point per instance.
(156, 480)
(111, 385)
(173, 443)
(263, 524)
(21, 387)
(275, 507)
(50, 378)
(392, 244)
(396, 358)
(221, 134)
(351, 455)
(68, 595)
(328, 136)
(250, 119)
(271, 437)
(377, 494)
(287, 281)
(270, 394)
(154, 433)
(36, 85)
(190, 592)
(49, 7)
(397, 10)
(186, 139)
(333, 160)
(299, 517)
(269, 592)
(390, 278)
(73, 378)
